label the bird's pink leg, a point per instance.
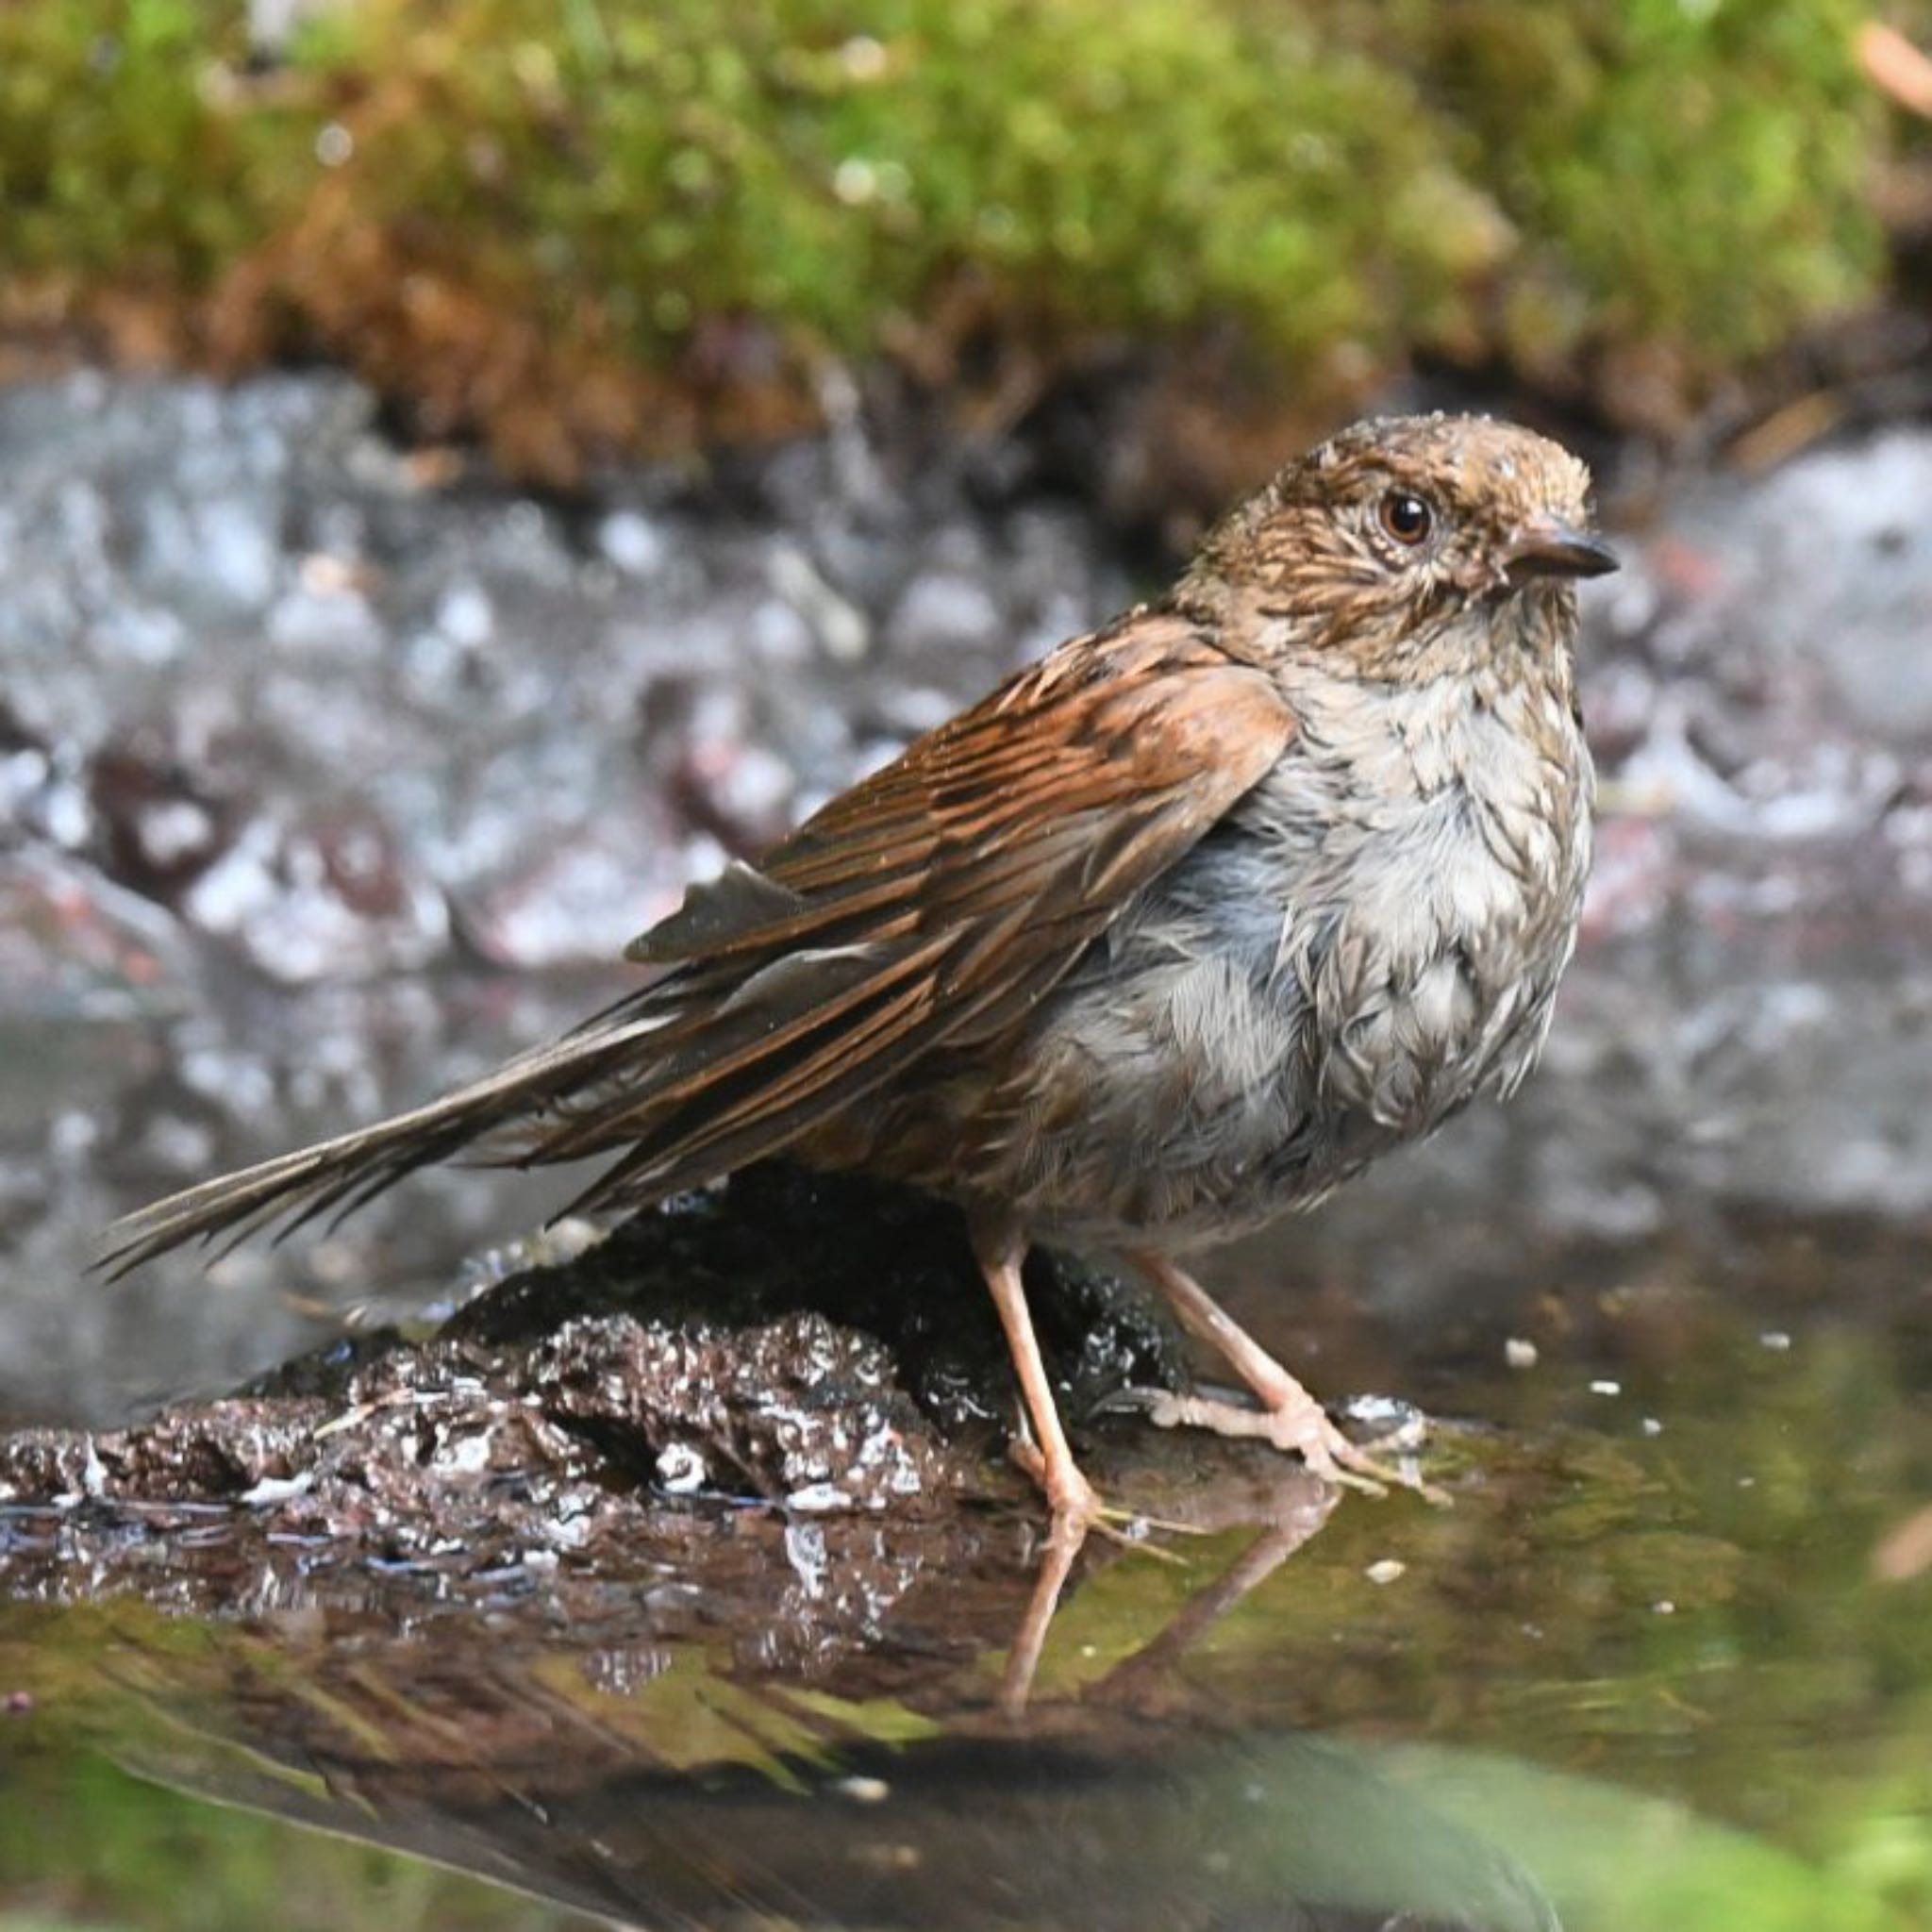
(1049, 1459)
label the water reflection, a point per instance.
(1602, 1685)
(652, 1785)
(1283, 1833)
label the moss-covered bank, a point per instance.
(574, 224)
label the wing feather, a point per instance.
(934, 904)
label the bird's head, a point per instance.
(1409, 547)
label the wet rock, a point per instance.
(73, 942)
(868, 1256)
(798, 1411)
(443, 696)
(161, 824)
(679, 1363)
(199, 1454)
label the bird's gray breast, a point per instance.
(1370, 939)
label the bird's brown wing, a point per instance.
(933, 903)
(936, 902)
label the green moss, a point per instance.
(1691, 170)
(1347, 183)
(1105, 163)
(120, 159)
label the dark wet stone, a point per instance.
(872, 1257)
(160, 825)
(797, 1410)
(752, 1345)
(200, 1452)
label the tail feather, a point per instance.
(342, 1174)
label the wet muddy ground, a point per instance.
(688, 1586)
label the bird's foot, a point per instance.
(1077, 1507)
(1074, 1501)
(1298, 1423)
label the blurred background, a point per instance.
(466, 470)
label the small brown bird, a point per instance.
(1177, 931)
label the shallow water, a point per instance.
(1662, 1662)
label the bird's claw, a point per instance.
(1301, 1427)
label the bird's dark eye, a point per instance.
(1407, 517)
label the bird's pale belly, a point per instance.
(1252, 1056)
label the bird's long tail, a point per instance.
(340, 1174)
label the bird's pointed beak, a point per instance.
(1545, 548)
